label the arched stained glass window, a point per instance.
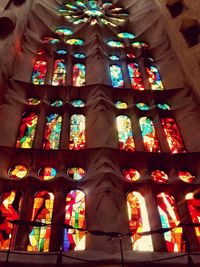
(169, 218)
(125, 135)
(150, 139)
(193, 207)
(17, 171)
(10, 208)
(116, 76)
(27, 130)
(134, 73)
(173, 136)
(52, 131)
(47, 173)
(59, 74)
(159, 176)
(154, 76)
(138, 222)
(39, 237)
(74, 216)
(39, 72)
(79, 74)
(77, 132)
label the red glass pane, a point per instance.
(159, 176)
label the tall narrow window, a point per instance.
(173, 136)
(10, 208)
(150, 139)
(59, 74)
(52, 131)
(170, 218)
(39, 72)
(193, 206)
(39, 237)
(79, 74)
(134, 73)
(154, 76)
(116, 76)
(138, 222)
(27, 130)
(74, 216)
(125, 134)
(77, 132)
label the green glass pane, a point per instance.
(126, 35)
(116, 44)
(164, 106)
(142, 106)
(63, 31)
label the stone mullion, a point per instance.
(40, 130)
(64, 137)
(137, 135)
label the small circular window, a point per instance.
(76, 173)
(186, 177)
(18, 171)
(131, 174)
(47, 173)
(159, 176)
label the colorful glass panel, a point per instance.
(125, 135)
(52, 131)
(79, 75)
(17, 171)
(10, 208)
(77, 132)
(131, 174)
(193, 207)
(164, 106)
(114, 57)
(116, 44)
(135, 76)
(74, 216)
(33, 101)
(138, 222)
(47, 173)
(27, 130)
(173, 136)
(139, 45)
(79, 55)
(142, 106)
(78, 103)
(76, 173)
(150, 139)
(74, 42)
(59, 75)
(159, 176)
(130, 56)
(56, 103)
(186, 176)
(121, 105)
(39, 237)
(116, 76)
(170, 218)
(126, 35)
(154, 78)
(63, 31)
(39, 72)
(61, 52)
(50, 40)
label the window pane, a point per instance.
(131, 174)
(59, 74)
(154, 78)
(27, 130)
(116, 76)
(17, 171)
(39, 237)
(76, 173)
(39, 72)
(135, 76)
(47, 173)
(79, 75)
(77, 132)
(159, 176)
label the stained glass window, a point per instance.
(79, 55)
(150, 139)
(17, 171)
(131, 174)
(56, 103)
(27, 130)
(61, 52)
(121, 105)
(74, 42)
(116, 76)
(79, 74)
(193, 203)
(126, 35)
(39, 237)
(76, 173)
(39, 72)
(52, 131)
(159, 176)
(154, 77)
(116, 44)
(10, 208)
(114, 57)
(47, 173)
(125, 134)
(186, 176)
(170, 218)
(77, 132)
(142, 106)
(139, 45)
(164, 106)
(33, 101)
(74, 216)
(78, 103)
(63, 31)
(59, 75)
(135, 76)
(50, 40)
(173, 136)
(138, 222)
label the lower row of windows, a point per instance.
(78, 139)
(74, 238)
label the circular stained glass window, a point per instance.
(185, 176)
(116, 44)
(47, 173)
(56, 103)
(78, 103)
(18, 171)
(114, 57)
(164, 106)
(74, 41)
(63, 31)
(61, 52)
(142, 106)
(121, 105)
(79, 55)
(131, 174)
(76, 173)
(33, 101)
(126, 35)
(159, 176)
